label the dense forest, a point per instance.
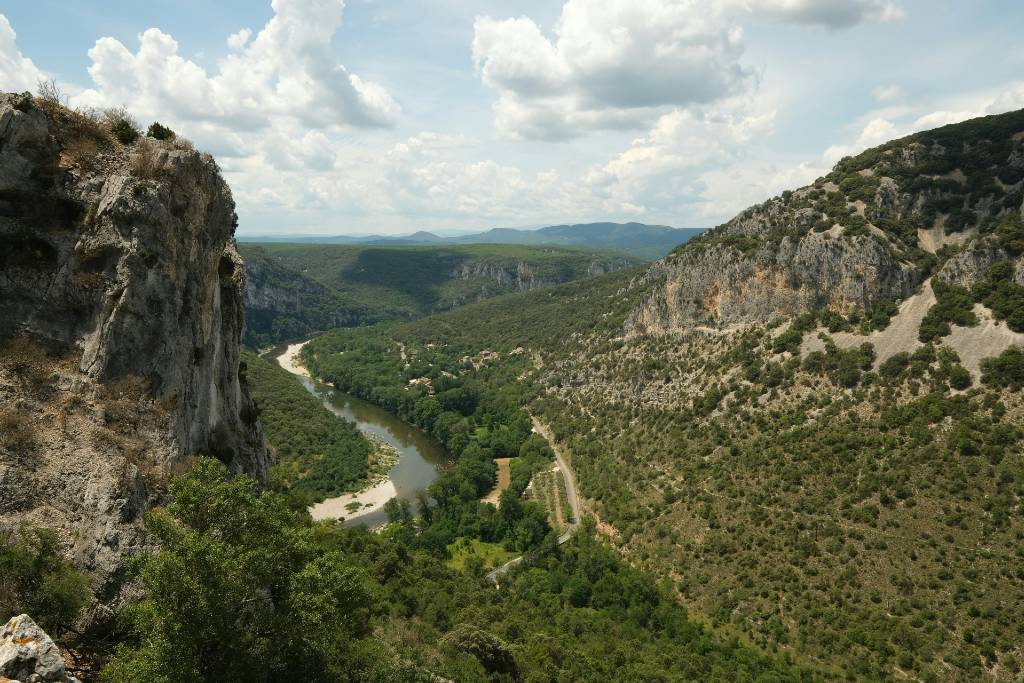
(267, 595)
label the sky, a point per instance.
(391, 116)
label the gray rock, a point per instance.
(970, 264)
(722, 285)
(28, 655)
(122, 273)
(138, 273)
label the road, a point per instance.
(570, 494)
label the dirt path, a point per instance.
(504, 479)
(567, 474)
(556, 498)
(570, 494)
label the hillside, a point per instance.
(646, 242)
(293, 290)
(809, 420)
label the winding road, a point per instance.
(570, 494)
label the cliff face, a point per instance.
(121, 293)
(524, 276)
(283, 304)
(722, 285)
(871, 231)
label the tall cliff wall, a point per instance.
(121, 300)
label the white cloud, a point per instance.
(236, 41)
(17, 72)
(888, 94)
(1010, 98)
(426, 177)
(613, 64)
(623, 63)
(727, 191)
(832, 14)
(876, 132)
(664, 167)
(288, 70)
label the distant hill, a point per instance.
(293, 290)
(648, 242)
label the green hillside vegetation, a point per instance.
(337, 285)
(244, 589)
(866, 517)
(316, 453)
(882, 509)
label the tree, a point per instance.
(237, 592)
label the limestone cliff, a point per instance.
(522, 275)
(868, 233)
(120, 314)
(283, 304)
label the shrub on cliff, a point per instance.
(160, 132)
(35, 579)
(122, 125)
(1005, 370)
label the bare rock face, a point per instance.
(120, 318)
(27, 655)
(969, 265)
(722, 285)
(140, 274)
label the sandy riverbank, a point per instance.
(375, 497)
(289, 360)
(369, 499)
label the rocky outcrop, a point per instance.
(139, 274)
(969, 265)
(867, 233)
(27, 655)
(523, 276)
(121, 311)
(723, 286)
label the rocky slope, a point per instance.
(867, 234)
(121, 312)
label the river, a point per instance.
(420, 456)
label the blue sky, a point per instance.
(400, 115)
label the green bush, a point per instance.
(1005, 370)
(160, 132)
(36, 579)
(236, 592)
(894, 366)
(954, 305)
(999, 292)
(124, 131)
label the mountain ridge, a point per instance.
(645, 241)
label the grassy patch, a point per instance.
(470, 551)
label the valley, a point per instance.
(789, 449)
(412, 466)
(294, 290)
